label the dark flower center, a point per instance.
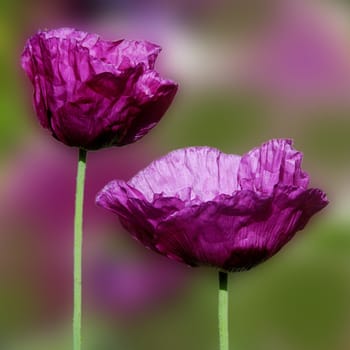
(246, 258)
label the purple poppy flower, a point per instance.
(202, 207)
(92, 93)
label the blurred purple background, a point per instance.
(248, 71)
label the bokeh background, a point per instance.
(248, 71)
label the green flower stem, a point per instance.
(223, 310)
(78, 243)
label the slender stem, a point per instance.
(78, 242)
(223, 310)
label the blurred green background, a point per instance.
(248, 71)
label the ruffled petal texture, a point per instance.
(92, 93)
(200, 206)
(274, 163)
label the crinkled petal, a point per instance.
(127, 202)
(96, 116)
(118, 196)
(207, 171)
(208, 233)
(171, 208)
(69, 33)
(153, 96)
(127, 53)
(93, 93)
(121, 53)
(274, 163)
(232, 232)
(40, 101)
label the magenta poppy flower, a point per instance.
(203, 207)
(92, 93)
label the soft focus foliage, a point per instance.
(121, 293)
(297, 300)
